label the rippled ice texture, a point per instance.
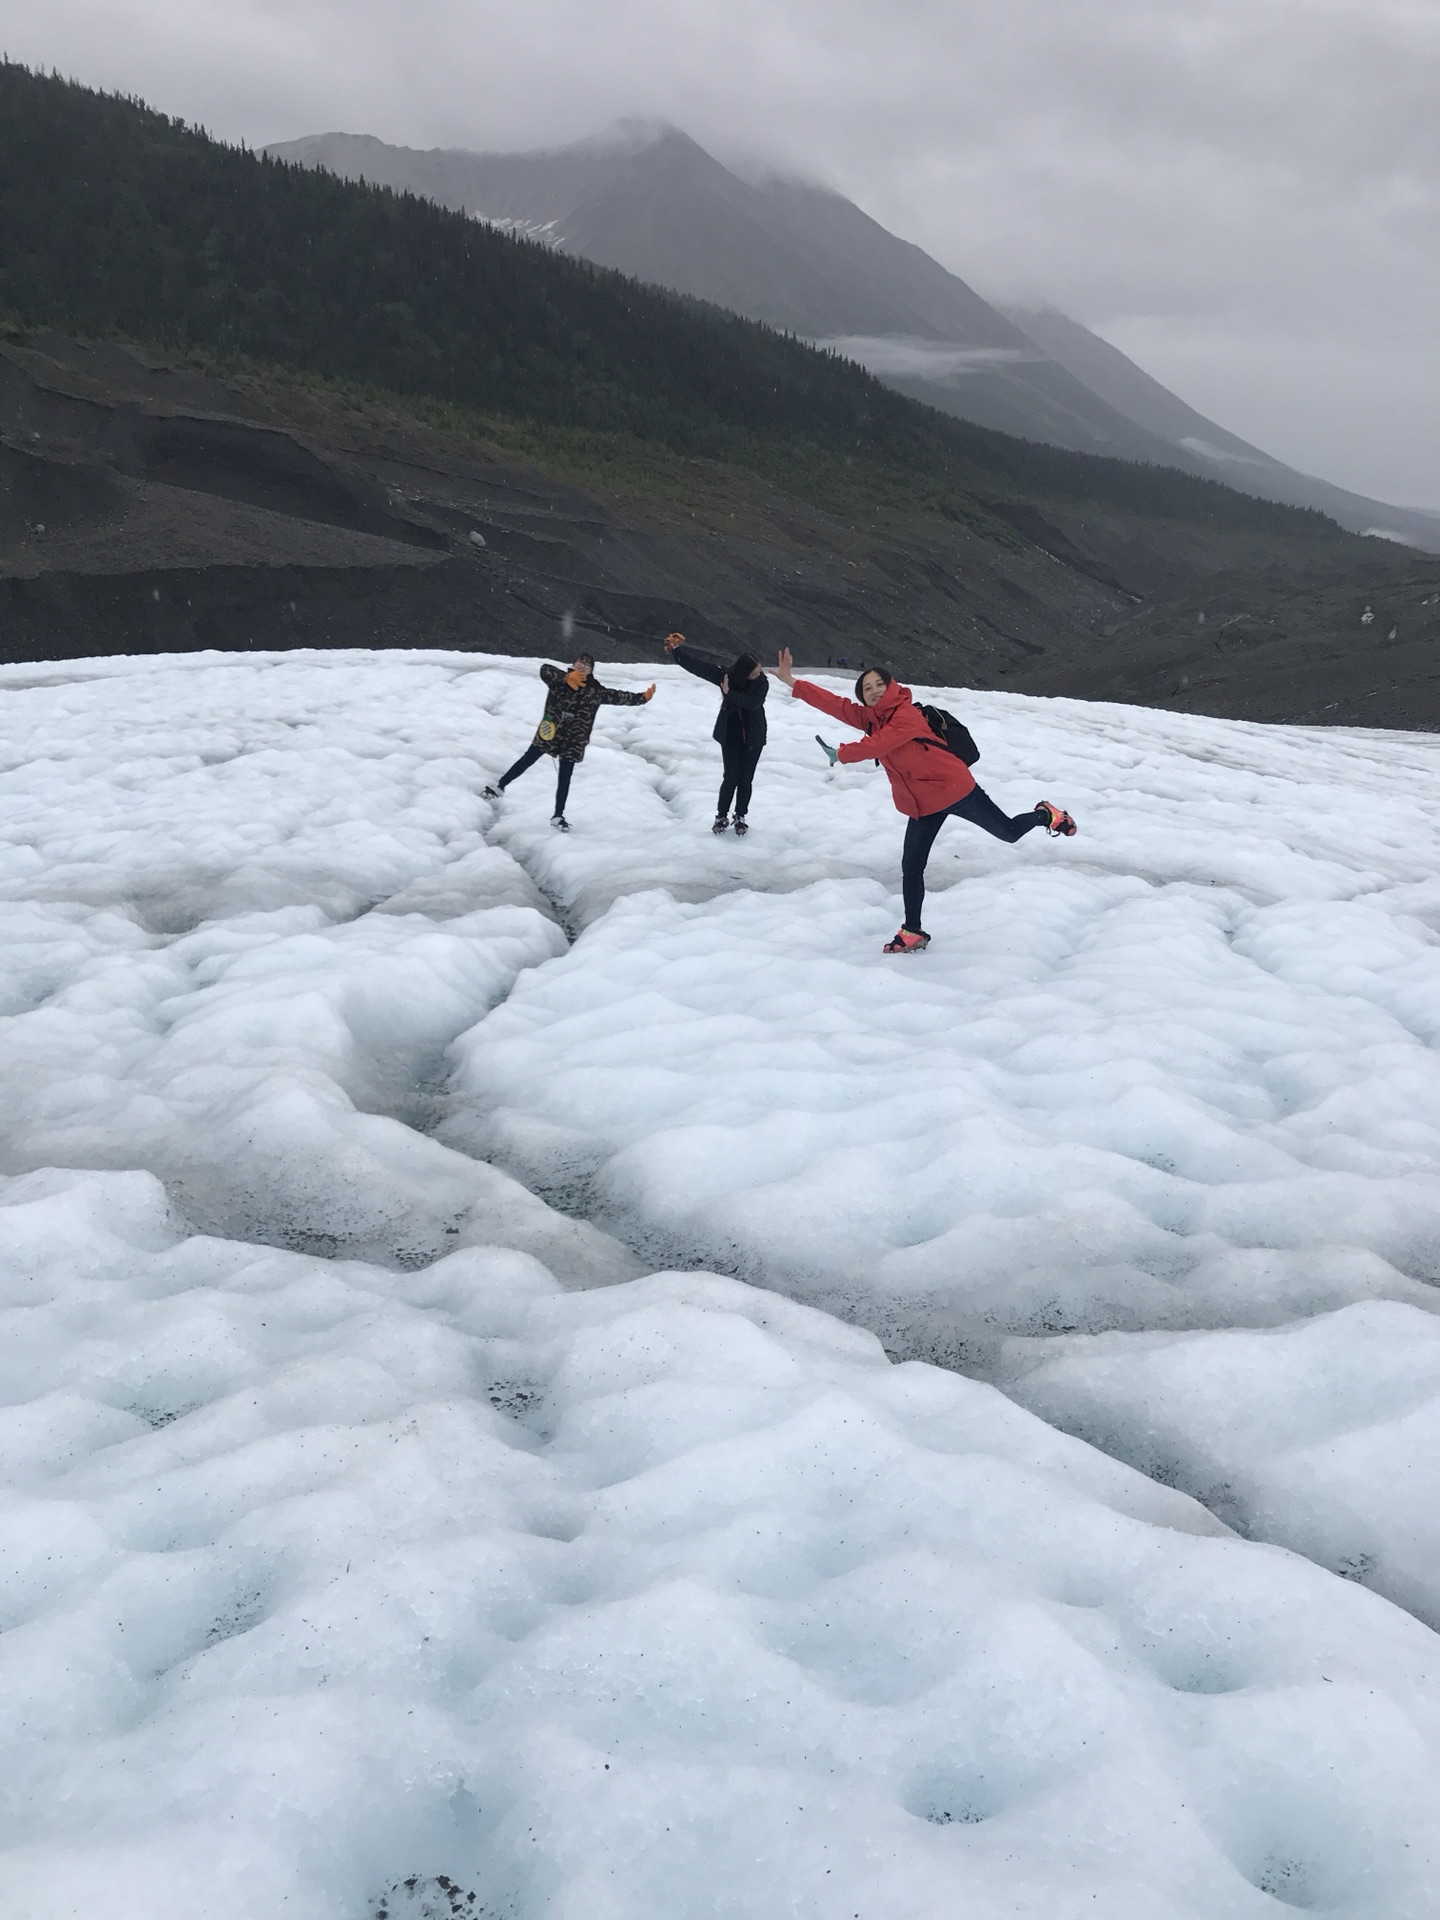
(377, 1538)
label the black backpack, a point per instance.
(952, 734)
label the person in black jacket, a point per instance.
(739, 725)
(573, 700)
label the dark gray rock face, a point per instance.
(148, 508)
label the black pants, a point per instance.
(740, 762)
(564, 769)
(978, 807)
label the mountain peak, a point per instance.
(631, 135)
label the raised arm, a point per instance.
(813, 696)
(696, 663)
(552, 676)
(834, 704)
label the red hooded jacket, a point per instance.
(925, 777)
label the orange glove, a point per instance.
(574, 678)
(673, 640)
(650, 691)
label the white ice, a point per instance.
(346, 1549)
(1324, 1434)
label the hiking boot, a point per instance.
(560, 823)
(1057, 821)
(907, 942)
(722, 823)
(740, 825)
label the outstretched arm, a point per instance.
(886, 732)
(617, 697)
(695, 663)
(870, 748)
(832, 703)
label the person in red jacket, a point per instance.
(928, 781)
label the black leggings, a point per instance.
(564, 769)
(740, 763)
(977, 806)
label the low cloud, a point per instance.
(923, 359)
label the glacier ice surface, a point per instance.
(389, 1521)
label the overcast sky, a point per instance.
(1244, 195)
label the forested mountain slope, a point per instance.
(647, 199)
(114, 218)
(334, 387)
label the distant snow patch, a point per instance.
(544, 231)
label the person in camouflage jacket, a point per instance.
(573, 700)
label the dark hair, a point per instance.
(864, 673)
(588, 658)
(742, 669)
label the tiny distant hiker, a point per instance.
(564, 732)
(929, 782)
(739, 725)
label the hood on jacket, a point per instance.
(894, 696)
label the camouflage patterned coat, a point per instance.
(564, 731)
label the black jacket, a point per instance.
(741, 719)
(570, 712)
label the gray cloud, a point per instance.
(1244, 194)
(923, 359)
